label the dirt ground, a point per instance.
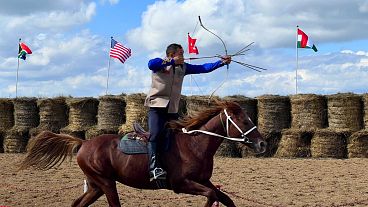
(255, 182)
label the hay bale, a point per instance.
(198, 103)
(111, 112)
(273, 113)
(358, 144)
(135, 111)
(365, 106)
(16, 140)
(345, 111)
(249, 105)
(6, 114)
(95, 131)
(308, 111)
(82, 113)
(25, 113)
(53, 115)
(294, 143)
(228, 149)
(327, 143)
(272, 139)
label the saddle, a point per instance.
(135, 142)
(140, 132)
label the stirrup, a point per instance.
(157, 173)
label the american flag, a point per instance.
(118, 51)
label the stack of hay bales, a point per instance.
(110, 116)
(6, 119)
(25, 117)
(135, 111)
(365, 102)
(294, 143)
(345, 112)
(308, 111)
(358, 144)
(53, 115)
(327, 143)
(273, 117)
(82, 116)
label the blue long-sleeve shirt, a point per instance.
(158, 64)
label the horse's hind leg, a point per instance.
(108, 187)
(92, 194)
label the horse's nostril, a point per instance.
(262, 144)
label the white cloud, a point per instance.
(68, 60)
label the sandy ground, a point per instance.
(252, 182)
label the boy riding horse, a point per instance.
(164, 96)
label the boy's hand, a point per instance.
(226, 59)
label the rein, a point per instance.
(244, 138)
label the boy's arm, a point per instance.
(158, 64)
(205, 68)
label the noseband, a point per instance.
(229, 121)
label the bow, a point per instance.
(225, 48)
(239, 53)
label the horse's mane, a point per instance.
(199, 118)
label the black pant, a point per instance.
(157, 118)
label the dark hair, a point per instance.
(172, 48)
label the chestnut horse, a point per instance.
(188, 161)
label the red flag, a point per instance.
(191, 45)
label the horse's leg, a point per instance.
(194, 188)
(223, 198)
(92, 194)
(108, 186)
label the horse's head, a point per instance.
(238, 124)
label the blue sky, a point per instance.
(70, 41)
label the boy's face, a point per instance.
(179, 53)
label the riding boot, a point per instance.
(155, 171)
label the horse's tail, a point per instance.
(48, 149)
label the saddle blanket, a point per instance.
(130, 145)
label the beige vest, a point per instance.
(166, 88)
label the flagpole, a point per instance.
(16, 83)
(108, 70)
(297, 63)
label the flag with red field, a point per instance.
(191, 45)
(119, 51)
(23, 51)
(305, 42)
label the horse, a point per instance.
(188, 160)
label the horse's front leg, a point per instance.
(191, 187)
(223, 198)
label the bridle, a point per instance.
(229, 121)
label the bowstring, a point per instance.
(227, 66)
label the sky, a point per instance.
(70, 41)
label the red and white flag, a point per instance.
(305, 42)
(119, 51)
(191, 45)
